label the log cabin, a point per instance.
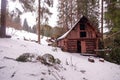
(83, 38)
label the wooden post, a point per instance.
(39, 21)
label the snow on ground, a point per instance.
(21, 34)
(73, 66)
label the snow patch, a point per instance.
(73, 66)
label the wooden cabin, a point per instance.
(83, 38)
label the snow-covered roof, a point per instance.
(64, 35)
(83, 20)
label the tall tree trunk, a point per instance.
(86, 8)
(39, 21)
(3, 19)
(102, 18)
(71, 12)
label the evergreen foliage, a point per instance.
(113, 43)
(57, 32)
(54, 32)
(112, 18)
(46, 30)
(114, 56)
(25, 25)
(34, 29)
(69, 14)
(112, 15)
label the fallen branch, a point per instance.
(9, 58)
(2, 67)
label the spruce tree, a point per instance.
(112, 15)
(25, 25)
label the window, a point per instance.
(82, 34)
(82, 26)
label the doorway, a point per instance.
(78, 46)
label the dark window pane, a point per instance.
(82, 34)
(82, 26)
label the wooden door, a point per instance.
(83, 47)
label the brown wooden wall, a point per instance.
(87, 44)
(71, 46)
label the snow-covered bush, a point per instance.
(26, 57)
(39, 58)
(48, 59)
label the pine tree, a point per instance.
(34, 29)
(25, 25)
(112, 19)
(64, 11)
(43, 13)
(88, 8)
(71, 11)
(112, 15)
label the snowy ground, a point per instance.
(73, 66)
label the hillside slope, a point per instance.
(72, 67)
